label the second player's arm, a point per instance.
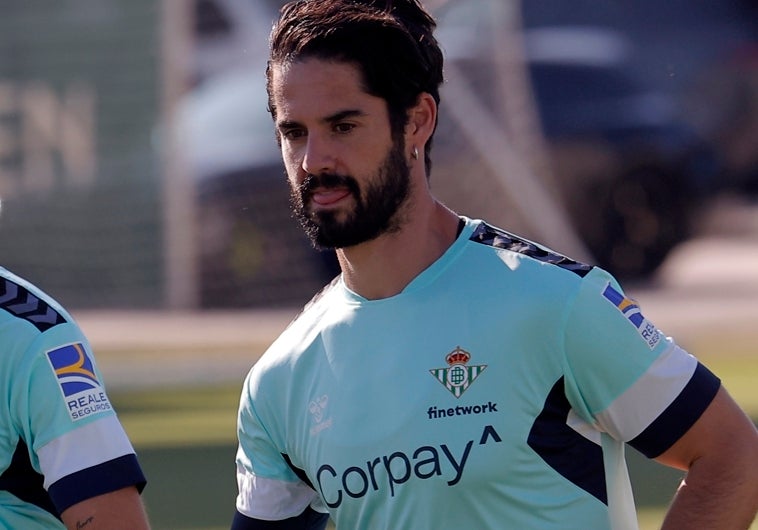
(117, 510)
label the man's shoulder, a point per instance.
(302, 331)
(33, 324)
(524, 249)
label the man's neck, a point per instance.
(383, 267)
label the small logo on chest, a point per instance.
(318, 408)
(458, 375)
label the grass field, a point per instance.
(185, 438)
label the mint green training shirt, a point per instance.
(496, 391)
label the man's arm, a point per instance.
(117, 510)
(310, 519)
(720, 455)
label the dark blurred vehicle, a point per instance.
(703, 53)
(723, 105)
(630, 171)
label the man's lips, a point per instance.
(326, 197)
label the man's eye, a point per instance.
(293, 134)
(344, 127)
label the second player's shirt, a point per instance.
(496, 391)
(60, 439)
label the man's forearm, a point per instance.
(121, 509)
(716, 496)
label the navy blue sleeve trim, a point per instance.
(103, 478)
(310, 519)
(682, 414)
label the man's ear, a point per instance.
(422, 118)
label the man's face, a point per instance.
(347, 175)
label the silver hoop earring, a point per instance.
(414, 154)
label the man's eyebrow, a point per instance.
(343, 114)
(332, 118)
(284, 125)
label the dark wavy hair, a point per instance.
(390, 41)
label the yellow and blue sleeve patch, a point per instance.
(79, 384)
(631, 310)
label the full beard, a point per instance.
(375, 212)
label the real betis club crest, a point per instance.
(457, 377)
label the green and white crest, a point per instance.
(457, 376)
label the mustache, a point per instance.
(327, 180)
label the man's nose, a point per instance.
(318, 157)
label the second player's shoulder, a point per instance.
(32, 323)
(23, 305)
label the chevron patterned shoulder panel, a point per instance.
(22, 303)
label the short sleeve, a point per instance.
(268, 488)
(62, 413)
(624, 374)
